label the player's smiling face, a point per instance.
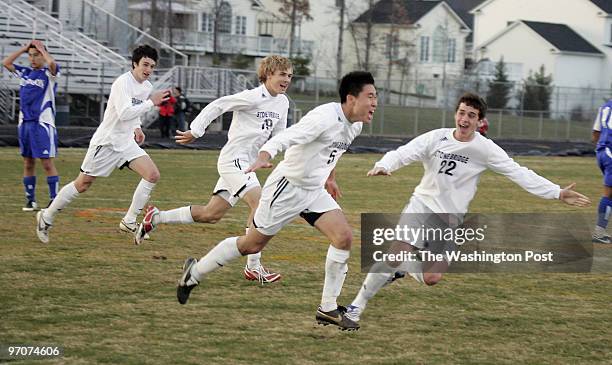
(466, 122)
(279, 81)
(144, 69)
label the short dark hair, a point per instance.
(179, 89)
(353, 82)
(475, 101)
(33, 46)
(143, 51)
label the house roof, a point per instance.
(463, 7)
(561, 36)
(605, 5)
(383, 11)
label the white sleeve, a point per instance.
(212, 111)
(307, 130)
(122, 100)
(597, 123)
(500, 162)
(415, 150)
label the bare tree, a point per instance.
(342, 8)
(294, 11)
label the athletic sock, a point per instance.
(603, 212)
(180, 215)
(224, 252)
(336, 268)
(66, 195)
(53, 182)
(29, 184)
(139, 200)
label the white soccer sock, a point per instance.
(180, 215)
(139, 200)
(254, 259)
(220, 255)
(63, 198)
(371, 285)
(336, 268)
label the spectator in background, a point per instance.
(37, 134)
(182, 106)
(483, 127)
(166, 116)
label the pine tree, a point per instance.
(537, 91)
(499, 88)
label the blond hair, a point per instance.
(271, 64)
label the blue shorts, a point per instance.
(37, 140)
(604, 160)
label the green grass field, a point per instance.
(107, 301)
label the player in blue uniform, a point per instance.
(37, 134)
(602, 134)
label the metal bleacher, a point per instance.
(87, 67)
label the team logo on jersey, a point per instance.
(451, 156)
(267, 117)
(136, 101)
(37, 82)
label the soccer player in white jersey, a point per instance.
(303, 184)
(115, 144)
(454, 159)
(258, 114)
(37, 133)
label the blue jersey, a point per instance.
(37, 94)
(603, 124)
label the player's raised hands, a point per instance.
(571, 197)
(376, 171)
(184, 137)
(262, 162)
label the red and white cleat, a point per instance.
(261, 274)
(146, 226)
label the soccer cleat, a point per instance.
(30, 206)
(602, 239)
(353, 313)
(130, 228)
(262, 274)
(396, 275)
(146, 226)
(337, 318)
(187, 282)
(42, 228)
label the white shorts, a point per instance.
(282, 201)
(417, 215)
(100, 161)
(233, 183)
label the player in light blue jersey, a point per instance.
(602, 134)
(37, 133)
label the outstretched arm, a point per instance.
(571, 197)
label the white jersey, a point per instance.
(453, 168)
(127, 102)
(257, 116)
(314, 145)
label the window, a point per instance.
(440, 47)
(225, 18)
(208, 23)
(392, 47)
(610, 33)
(452, 50)
(240, 25)
(424, 49)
